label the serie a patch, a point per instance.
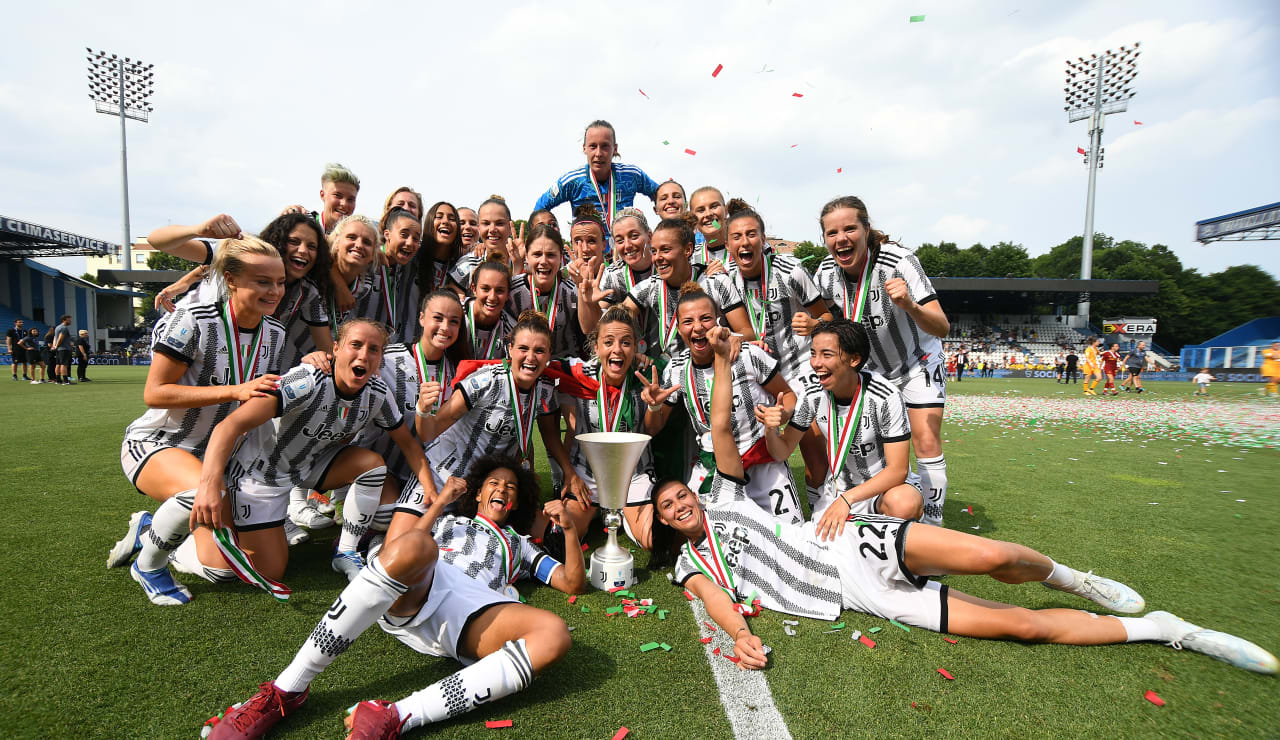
(297, 388)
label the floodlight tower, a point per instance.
(121, 87)
(1097, 87)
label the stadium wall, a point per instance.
(41, 294)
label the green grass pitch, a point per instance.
(82, 653)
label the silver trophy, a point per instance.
(613, 457)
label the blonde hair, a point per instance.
(631, 212)
(229, 258)
(341, 226)
(334, 172)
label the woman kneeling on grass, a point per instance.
(421, 593)
(880, 566)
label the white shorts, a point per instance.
(248, 458)
(865, 506)
(769, 485)
(134, 455)
(925, 386)
(454, 600)
(411, 497)
(258, 505)
(637, 494)
(874, 578)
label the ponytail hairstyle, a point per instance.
(851, 336)
(341, 227)
(631, 212)
(496, 200)
(614, 315)
(588, 215)
(738, 208)
(277, 234)
(230, 254)
(691, 292)
(394, 216)
(533, 321)
(427, 263)
(874, 238)
(386, 207)
(683, 226)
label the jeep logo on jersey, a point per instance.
(322, 432)
(501, 426)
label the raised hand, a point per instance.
(897, 290)
(802, 323)
(651, 390)
(428, 394)
(220, 226)
(772, 417)
(724, 341)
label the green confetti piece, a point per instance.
(665, 647)
(662, 614)
(859, 524)
(715, 224)
(649, 646)
(917, 19)
(613, 610)
(874, 630)
(777, 530)
(586, 609)
(839, 626)
(666, 143)
(650, 608)
(899, 625)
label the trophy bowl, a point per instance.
(613, 457)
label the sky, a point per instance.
(950, 130)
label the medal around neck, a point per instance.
(613, 457)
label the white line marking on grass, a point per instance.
(747, 701)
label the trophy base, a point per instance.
(607, 574)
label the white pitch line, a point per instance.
(747, 701)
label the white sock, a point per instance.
(497, 675)
(169, 527)
(1137, 629)
(360, 508)
(382, 517)
(933, 480)
(1061, 576)
(186, 559)
(366, 598)
(297, 500)
(813, 493)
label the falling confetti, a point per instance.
(1137, 123)
(797, 95)
(642, 92)
(917, 19)
(717, 70)
(690, 152)
(839, 170)
(1080, 150)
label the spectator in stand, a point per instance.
(82, 356)
(31, 343)
(16, 349)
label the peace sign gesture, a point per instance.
(651, 391)
(589, 279)
(516, 249)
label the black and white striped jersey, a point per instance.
(489, 426)
(897, 344)
(884, 420)
(657, 302)
(461, 271)
(314, 419)
(621, 279)
(195, 335)
(561, 311)
(789, 291)
(404, 299)
(496, 560)
(486, 343)
(301, 308)
(401, 373)
(782, 565)
(370, 303)
(752, 370)
(590, 417)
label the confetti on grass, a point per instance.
(1151, 697)
(649, 646)
(621, 733)
(948, 639)
(899, 625)
(867, 641)
(497, 724)
(874, 630)
(946, 675)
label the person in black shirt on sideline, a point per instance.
(16, 349)
(1073, 360)
(82, 356)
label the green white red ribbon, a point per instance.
(509, 546)
(840, 435)
(524, 420)
(242, 365)
(439, 375)
(473, 331)
(855, 311)
(242, 565)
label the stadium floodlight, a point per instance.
(1096, 88)
(121, 87)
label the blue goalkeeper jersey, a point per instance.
(577, 188)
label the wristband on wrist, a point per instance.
(419, 412)
(654, 409)
(846, 502)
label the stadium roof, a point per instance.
(1015, 295)
(23, 239)
(1254, 224)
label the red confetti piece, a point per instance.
(793, 146)
(731, 658)
(706, 640)
(717, 70)
(710, 626)
(642, 92)
(913, 705)
(616, 589)
(946, 675)
(690, 152)
(716, 651)
(953, 642)
(797, 95)
(1137, 123)
(839, 170)
(497, 724)
(584, 547)
(970, 509)
(688, 595)
(1151, 697)
(573, 599)
(621, 733)
(1080, 150)
(867, 641)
